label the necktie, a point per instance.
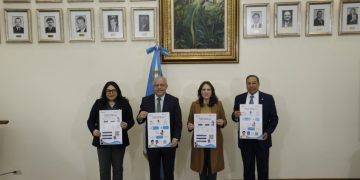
(251, 99)
(158, 105)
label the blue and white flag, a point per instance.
(155, 71)
(155, 68)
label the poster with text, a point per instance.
(111, 132)
(250, 124)
(205, 130)
(158, 129)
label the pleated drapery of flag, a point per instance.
(155, 68)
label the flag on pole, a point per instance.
(155, 68)
(155, 71)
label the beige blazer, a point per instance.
(217, 154)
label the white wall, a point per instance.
(47, 90)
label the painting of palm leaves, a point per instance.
(199, 24)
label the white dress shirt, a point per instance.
(161, 101)
(255, 98)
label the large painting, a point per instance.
(199, 31)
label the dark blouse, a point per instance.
(127, 116)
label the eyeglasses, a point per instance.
(110, 90)
(159, 85)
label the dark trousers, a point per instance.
(254, 151)
(206, 172)
(111, 156)
(164, 155)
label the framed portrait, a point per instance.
(16, 1)
(319, 15)
(18, 25)
(79, 1)
(81, 24)
(49, 1)
(256, 20)
(111, 0)
(196, 32)
(112, 23)
(287, 19)
(349, 17)
(50, 25)
(144, 23)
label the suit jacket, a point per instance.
(287, 24)
(171, 105)
(113, 30)
(20, 30)
(216, 154)
(318, 22)
(85, 30)
(349, 18)
(270, 117)
(127, 116)
(52, 30)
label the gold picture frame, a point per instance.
(181, 37)
(111, 0)
(81, 24)
(113, 24)
(50, 25)
(319, 18)
(16, 1)
(287, 19)
(79, 1)
(349, 22)
(18, 26)
(49, 1)
(256, 20)
(144, 23)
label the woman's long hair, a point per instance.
(117, 88)
(213, 98)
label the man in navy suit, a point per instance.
(251, 149)
(160, 101)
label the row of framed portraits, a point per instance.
(60, 1)
(287, 18)
(50, 24)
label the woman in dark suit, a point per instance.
(111, 155)
(207, 161)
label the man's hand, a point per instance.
(265, 136)
(142, 115)
(174, 142)
(237, 114)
